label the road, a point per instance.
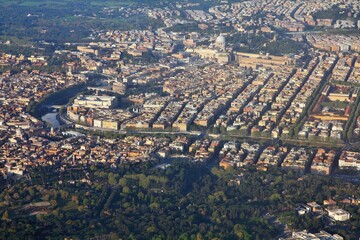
(202, 134)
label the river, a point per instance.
(52, 119)
(62, 98)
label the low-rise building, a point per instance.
(349, 160)
(338, 214)
(94, 101)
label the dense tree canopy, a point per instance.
(181, 202)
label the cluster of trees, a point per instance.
(254, 43)
(68, 22)
(194, 27)
(183, 201)
(333, 13)
(61, 97)
(352, 122)
(188, 27)
(18, 50)
(283, 46)
(147, 57)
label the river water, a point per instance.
(51, 118)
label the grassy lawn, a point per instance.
(336, 104)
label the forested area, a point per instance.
(183, 201)
(68, 22)
(264, 43)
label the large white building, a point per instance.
(338, 214)
(349, 160)
(322, 235)
(93, 101)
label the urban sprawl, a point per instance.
(207, 102)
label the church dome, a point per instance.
(220, 40)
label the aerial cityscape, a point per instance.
(169, 119)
